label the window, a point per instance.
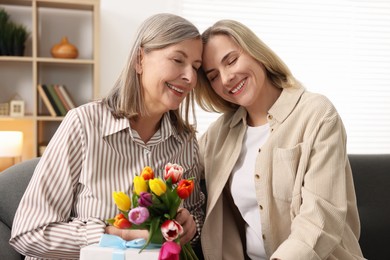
(340, 48)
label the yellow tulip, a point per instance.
(122, 201)
(157, 186)
(140, 185)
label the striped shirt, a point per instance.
(91, 155)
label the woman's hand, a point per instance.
(187, 221)
(127, 234)
(183, 217)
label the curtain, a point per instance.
(339, 48)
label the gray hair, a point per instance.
(157, 32)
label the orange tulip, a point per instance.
(185, 188)
(147, 173)
(121, 222)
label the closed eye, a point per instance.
(232, 61)
(213, 77)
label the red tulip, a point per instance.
(185, 188)
(171, 229)
(173, 171)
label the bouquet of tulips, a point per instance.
(153, 206)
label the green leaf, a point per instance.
(110, 221)
(183, 254)
(134, 200)
(153, 229)
(125, 213)
(190, 252)
(165, 199)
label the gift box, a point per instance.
(112, 247)
(97, 252)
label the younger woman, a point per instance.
(277, 173)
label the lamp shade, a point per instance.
(11, 143)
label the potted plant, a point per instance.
(4, 17)
(12, 36)
(19, 37)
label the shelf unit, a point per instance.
(48, 21)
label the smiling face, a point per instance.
(169, 74)
(234, 75)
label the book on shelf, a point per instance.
(61, 97)
(46, 100)
(57, 100)
(51, 99)
(67, 96)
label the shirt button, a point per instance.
(259, 150)
(263, 237)
(257, 176)
(261, 207)
(270, 117)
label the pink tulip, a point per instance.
(171, 229)
(173, 171)
(169, 251)
(138, 215)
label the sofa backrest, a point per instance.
(13, 183)
(371, 175)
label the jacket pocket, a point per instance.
(285, 165)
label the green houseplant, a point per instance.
(4, 17)
(12, 36)
(19, 37)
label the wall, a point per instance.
(119, 20)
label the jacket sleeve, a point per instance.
(44, 225)
(196, 201)
(320, 223)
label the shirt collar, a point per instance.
(167, 128)
(112, 125)
(280, 110)
(285, 104)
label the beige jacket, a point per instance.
(304, 185)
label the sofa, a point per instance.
(372, 183)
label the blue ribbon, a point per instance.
(116, 242)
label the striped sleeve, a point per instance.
(42, 225)
(91, 155)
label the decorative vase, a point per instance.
(64, 50)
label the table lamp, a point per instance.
(11, 144)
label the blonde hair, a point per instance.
(126, 98)
(277, 71)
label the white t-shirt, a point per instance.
(243, 189)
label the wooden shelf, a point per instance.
(48, 21)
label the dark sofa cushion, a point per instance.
(13, 183)
(371, 174)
